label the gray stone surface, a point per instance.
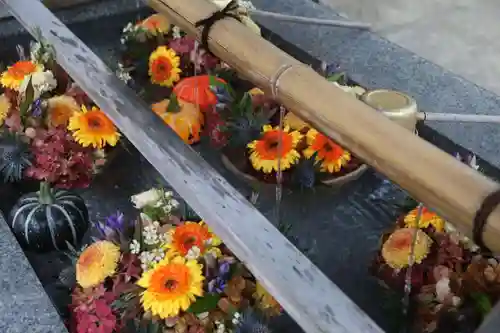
(375, 62)
(24, 305)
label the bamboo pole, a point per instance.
(433, 177)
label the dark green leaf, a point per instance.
(245, 105)
(483, 303)
(153, 327)
(138, 231)
(204, 304)
(28, 99)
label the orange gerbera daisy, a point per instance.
(15, 74)
(171, 286)
(332, 156)
(164, 66)
(60, 110)
(264, 153)
(96, 263)
(428, 218)
(397, 248)
(156, 24)
(93, 128)
(191, 235)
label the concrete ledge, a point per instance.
(377, 63)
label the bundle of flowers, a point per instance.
(164, 274)
(453, 285)
(51, 131)
(247, 127)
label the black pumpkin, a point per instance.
(45, 220)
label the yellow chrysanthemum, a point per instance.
(397, 248)
(15, 74)
(171, 286)
(96, 263)
(265, 301)
(61, 109)
(191, 235)
(156, 24)
(164, 66)
(93, 128)
(264, 153)
(332, 156)
(427, 218)
(4, 108)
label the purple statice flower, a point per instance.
(114, 225)
(36, 108)
(218, 283)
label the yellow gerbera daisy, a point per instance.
(171, 286)
(192, 236)
(332, 156)
(427, 218)
(93, 128)
(61, 109)
(264, 153)
(265, 301)
(4, 108)
(15, 74)
(164, 66)
(397, 248)
(96, 263)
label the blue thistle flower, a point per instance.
(251, 322)
(15, 158)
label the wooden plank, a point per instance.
(52, 4)
(316, 303)
(430, 175)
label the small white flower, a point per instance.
(202, 315)
(165, 238)
(193, 253)
(176, 32)
(135, 247)
(42, 82)
(443, 289)
(157, 254)
(147, 198)
(147, 260)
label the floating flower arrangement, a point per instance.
(163, 274)
(454, 285)
(50, 130)
(199, 96)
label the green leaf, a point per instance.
(173, 105)
(483, 303)
(245, 104)
(29, 95)
(204, 304)
(336, 77)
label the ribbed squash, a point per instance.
(185, 119)
(46, 220)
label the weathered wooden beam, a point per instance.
(316, 303)
(430, 175)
